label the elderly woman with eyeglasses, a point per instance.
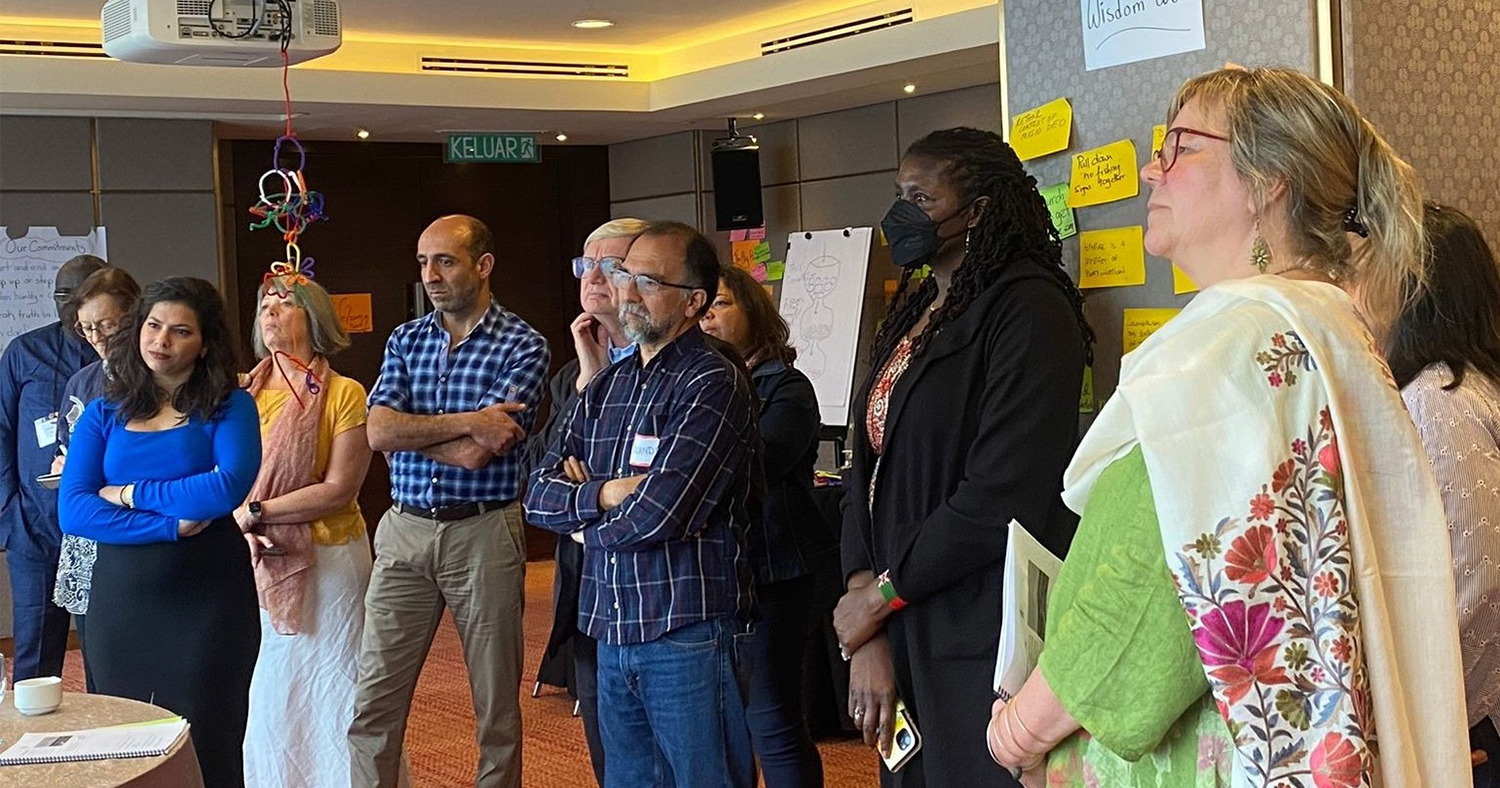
(1260, 585)
(102, 301)
(599, 342)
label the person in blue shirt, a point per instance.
(598, 341)
(654, 469)
(456, 396)
(33, 371)
(155, 468)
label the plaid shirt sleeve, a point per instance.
(695, 467)
(524, 379)
(394, 384)
(553, 501)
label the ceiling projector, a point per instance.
(220, 32)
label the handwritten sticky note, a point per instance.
(1086, 396)
(756, 233)
(1056, 196)
(743, 254)
(890, 289)
(761, 252)
(353, 310)
(1158, 133)
(758, 273)
(1104, 175)
(1111, 258)
(1142, 323)
(736, 236)
(1181, 282)
(775, 271)
(770, 291)
(1043, 130)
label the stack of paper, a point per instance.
(1030, 571)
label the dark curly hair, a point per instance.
(1015, 229)
(130, 384)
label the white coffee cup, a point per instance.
(38, 696)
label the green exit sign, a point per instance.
(491, 147)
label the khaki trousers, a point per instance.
(477, 567)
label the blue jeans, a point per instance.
(787, 753)
(680, 692)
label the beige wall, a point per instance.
(1425, 71)
(152, 189)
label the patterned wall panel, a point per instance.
(1425, 71)
(1044, 51)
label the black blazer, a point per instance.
(979, 431)
(791, 531)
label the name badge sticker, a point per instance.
(643, 450)
(46, 430)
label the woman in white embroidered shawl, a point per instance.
(1256, 471)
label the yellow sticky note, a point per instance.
(353, 311)
(1043, 130)
(1181, 282)
(1158, 133)
(1104, 175)
(1086, 396)
(1111, 258)
(1142, 323)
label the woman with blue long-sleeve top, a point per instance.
(155, 468)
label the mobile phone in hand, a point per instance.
(905, 741)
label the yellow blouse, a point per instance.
(343, 409)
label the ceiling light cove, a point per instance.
(593, 24)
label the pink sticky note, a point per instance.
(759, 272)
(756, 233)
(736, 235)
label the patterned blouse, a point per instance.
(1461, 430)
(880, 394)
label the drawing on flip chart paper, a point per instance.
(821, 298)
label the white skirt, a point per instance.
(302, 694)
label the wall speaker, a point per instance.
(736, 165)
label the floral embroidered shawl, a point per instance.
(1304, 532)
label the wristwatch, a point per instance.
(254, 509)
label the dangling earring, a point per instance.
(1260, 254)
(967, 233)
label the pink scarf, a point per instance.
(286, 464)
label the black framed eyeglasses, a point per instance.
(648, 285)
(583, 266)
(103, 327)
(1167, 156)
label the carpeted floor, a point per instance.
(440, 737)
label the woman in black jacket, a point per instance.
(966, 422)
(787, 533)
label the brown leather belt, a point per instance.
(459, 511)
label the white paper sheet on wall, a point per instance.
(28, 268)
(1116, 32)
(822, 296)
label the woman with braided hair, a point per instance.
(966, 422)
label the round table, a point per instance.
(176, 769)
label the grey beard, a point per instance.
(635, 321)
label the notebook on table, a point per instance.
(136, 740)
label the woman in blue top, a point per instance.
(154, 470)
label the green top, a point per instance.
(1120, 656)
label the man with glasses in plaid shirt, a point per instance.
(456, 395)
(654, 469)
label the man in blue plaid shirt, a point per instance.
(457, 393)
(653, 469)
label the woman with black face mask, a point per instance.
(966, 422)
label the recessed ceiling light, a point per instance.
(362, 134)
(759, 116)
(593, 24)
(561, 137)
(910, 88)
